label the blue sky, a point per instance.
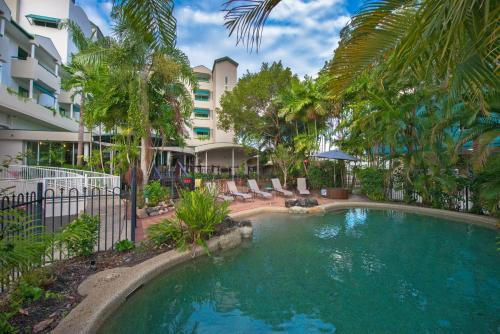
(300, 33)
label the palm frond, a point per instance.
(151, 18)
(247, 18)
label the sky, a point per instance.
(300, 33)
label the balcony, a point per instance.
(4, 49)
(30, 110)
(31, 69)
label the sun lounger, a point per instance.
(231, 186)
(212, 187)
(278, 188)
(302, 187)
(254, 187)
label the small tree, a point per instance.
(285, 159)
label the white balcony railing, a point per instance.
(19, 179)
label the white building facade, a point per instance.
(37, 117)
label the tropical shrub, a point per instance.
(200, 213)
(165, 232)
(373, 182)
(80, 237)
(22, 245)
(124, 245)
(323, 173)
(486, 188)
(155, 193)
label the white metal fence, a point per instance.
(18, 179)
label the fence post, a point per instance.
(133, 203)
(39, 203)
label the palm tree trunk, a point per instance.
(100, 148)
(145, 140)
(81, 129)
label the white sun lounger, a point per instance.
(212, 187)
(254, 187)
(277, 187)
(302, 187)
(231, 187)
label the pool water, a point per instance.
(352, 271)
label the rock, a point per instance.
(154, 213)
(151, 210)
(246, 223)
(230, 240)
(317, 209)
(142, 213)
(298, 209)
(42, 325)
(302, 202)
(246, 232)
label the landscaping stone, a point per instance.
(302, 202)
(154, 213)
(298, 209)
(142, 213)
(246, 232)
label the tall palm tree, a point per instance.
(451, 43)
(79, 75)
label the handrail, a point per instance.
(57, 178)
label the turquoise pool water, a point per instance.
(353, 271)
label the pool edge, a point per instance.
(105, 291)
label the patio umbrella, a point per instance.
(335, 155)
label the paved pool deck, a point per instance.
(240, 205)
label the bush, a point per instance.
(165, 232)
(197, 215)
(373, 183)
(80, 237)
(200, 212)
(155, 193)
(321, 174)
(124, 245)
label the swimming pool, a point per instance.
(351, 271)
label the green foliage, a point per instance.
(197, 215)
(155, 193)
(200, 213)
(486, 188)
(80, 237)
(323, 173)
(165, 232)
(373, 183)
(285, 159)
(252, 107)
(124, 245)
(22, 245)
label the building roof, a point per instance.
(219, 60)
(47, 44)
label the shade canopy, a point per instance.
(337, 155)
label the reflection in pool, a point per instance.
(353, 271)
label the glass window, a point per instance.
(201, 113)
(21, 53)
(202, 133)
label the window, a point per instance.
(201, 113)
(201, 133)
(225, 80)
(23, 91)
(21, 53)
(202, 77)
(43, 21)
(201, 95)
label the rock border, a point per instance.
(105, 291)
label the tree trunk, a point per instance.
(145, 140)
(81, 129)
(100, 149)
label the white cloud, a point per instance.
(187, 14)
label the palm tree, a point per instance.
(447, 43)
(79, 75)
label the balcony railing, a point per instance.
(19, 179)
